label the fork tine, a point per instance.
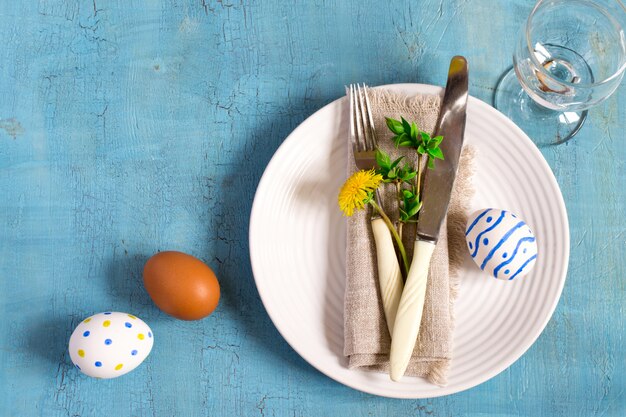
(359, 106)
(368, 108)
(360, 128)
(353, 138)
(367, 126)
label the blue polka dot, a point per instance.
(525, 250)
(86, 333)
(108, 342)
(514, 215)
(485, 241)
(127, 324)
(489, 219)
(471, 246)
(504, 255)
(77, 366)
(506, 271)
(107, 313)
(149, 334)
(98, 364)
(134, 352)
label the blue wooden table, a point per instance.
(129, 127)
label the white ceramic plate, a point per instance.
(297, 250)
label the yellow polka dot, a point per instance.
(81, 353)
(87, 320)
(131, 316)
(118, 367)
(106, 323)
(140, 336)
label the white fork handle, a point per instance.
(389, 275)
(409, 316)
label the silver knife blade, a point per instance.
(438, 182)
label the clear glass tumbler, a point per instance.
(570, 56)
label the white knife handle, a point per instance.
(389, 275)
(409, 316)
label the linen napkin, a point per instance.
(366, 338)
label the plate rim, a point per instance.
(415, 88)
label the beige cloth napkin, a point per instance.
(366, 338)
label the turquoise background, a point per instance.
(129, 127)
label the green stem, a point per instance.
(395, 235)
(419, 172)
(399, 197)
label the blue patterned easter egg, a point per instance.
(501, 243)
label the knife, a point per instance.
(437, 188)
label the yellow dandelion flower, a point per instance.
(357, 191)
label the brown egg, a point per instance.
(181, 285)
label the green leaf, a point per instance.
(436, 153)
(431, 163)
(405, 143)
(436, 141)
(409, 175)
(391, 174)
(405, 125)
(413, 211)
(401, 138)
(382, 159)
(394, 125)
(414, 130)
(396, 162)
(407, 194)
(421, 150)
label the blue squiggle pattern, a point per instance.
(529, 260)
(476, 220)
(493, 226)
(504, 239)
(503, 264)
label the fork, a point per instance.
(364, 144)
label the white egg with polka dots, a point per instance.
(501, 243)
(111, 344)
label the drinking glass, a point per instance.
(570, 56)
